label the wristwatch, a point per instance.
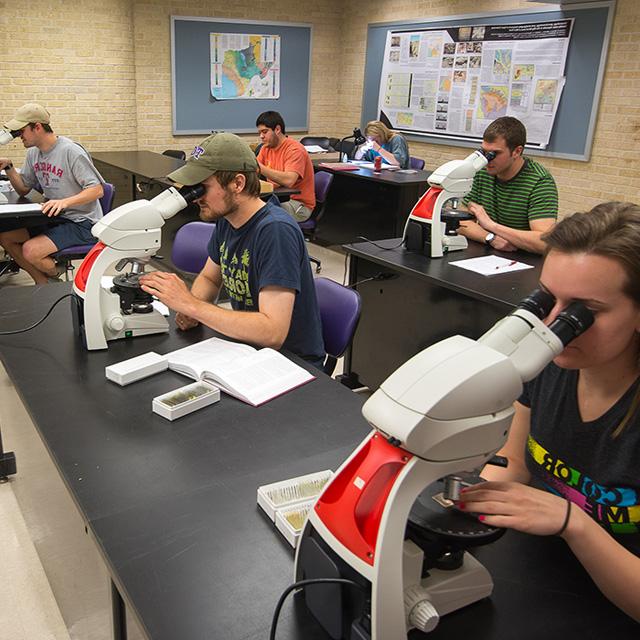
(489, 238)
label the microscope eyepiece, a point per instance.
(571, 322)
(538, 302)
(489, 155)
(191, 193)
(7, 136)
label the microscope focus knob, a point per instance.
(421, 613)
(116, 323)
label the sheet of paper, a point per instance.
(19, 208)
(370, 165)
(491, 265)
(314, 148)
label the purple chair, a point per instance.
(322, 181)
(189, 251)
(66, 257)
(416, 163)
(339, 314)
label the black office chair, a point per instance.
(320, 141)
(333, 143)
(175, 153)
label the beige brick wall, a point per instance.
(103, 69)
(613, 173)
(77, 58)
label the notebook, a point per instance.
(254, 376)
(339, 166)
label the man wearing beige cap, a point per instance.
(62, 170)
(256, 251)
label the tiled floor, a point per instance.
(36, 512)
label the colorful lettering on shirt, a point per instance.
(617, 509)
(235, 275)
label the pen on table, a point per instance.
(509, 264)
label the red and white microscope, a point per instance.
(431, 226)
(442, 414)
(128, 235)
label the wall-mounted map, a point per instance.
(245, 66)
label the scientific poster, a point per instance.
(453, 82)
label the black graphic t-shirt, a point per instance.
(269, 250)
(580, 460)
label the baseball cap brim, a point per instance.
(190, 174)
(14, 125)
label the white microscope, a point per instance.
(432, 223)
(6, 137)
(443, 413)
(129, 234)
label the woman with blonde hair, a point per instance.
(575, 435)
(391, 146)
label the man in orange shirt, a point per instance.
(286, 163)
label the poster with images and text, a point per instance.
(452, 82)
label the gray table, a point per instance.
(172, 506)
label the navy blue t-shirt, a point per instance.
(269, 250)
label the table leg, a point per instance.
(119, 614)
(7, 463)
(349, 378)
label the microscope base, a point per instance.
(115, 325)
(450, 590)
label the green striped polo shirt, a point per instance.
(530, 195)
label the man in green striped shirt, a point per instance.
(514, 199)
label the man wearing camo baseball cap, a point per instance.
(62, 170)
(256, 251)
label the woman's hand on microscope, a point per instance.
(515, 506)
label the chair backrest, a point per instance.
(322, 181)
(107, 197)
(333, 143)
(175, 153)
(339, 313)
(321, 141)
(189, 251)
(416, 163)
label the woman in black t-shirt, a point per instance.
(576, 429)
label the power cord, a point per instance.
(375, 244)
(301, 584)
(46, 315)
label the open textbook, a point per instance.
(253, 376)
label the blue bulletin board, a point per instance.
(195, 111)
(574, 126)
